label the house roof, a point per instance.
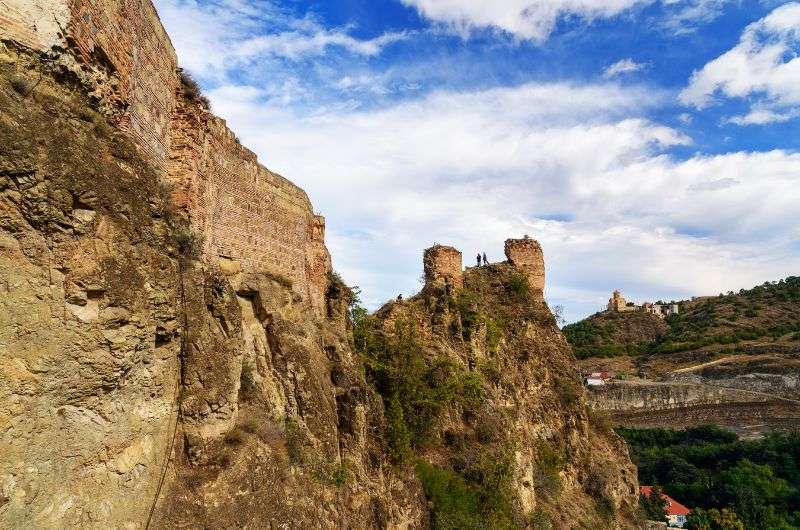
(673, 507)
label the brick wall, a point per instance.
(246, 212)
(122, 38)
(443, 264)
(126, 37)
(526, 254)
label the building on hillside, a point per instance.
(618, 304)
(598, 378)
(675, 512)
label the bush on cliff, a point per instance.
(416, 388)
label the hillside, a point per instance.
(609, 334)
(761, 320)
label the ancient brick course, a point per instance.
(443, 265)
(526, 254)
(246, 212)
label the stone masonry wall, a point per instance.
(526, 254)
(246, 213)
(124, 39)
(443, 264)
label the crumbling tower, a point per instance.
(526, 254)
(443, 266)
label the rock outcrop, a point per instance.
(512, 423)
(145, 383)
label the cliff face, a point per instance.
(146, 384)
(481, 389)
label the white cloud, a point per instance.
(763, 66)
(295, 45)
(764, 117)
(690, 14)
(473, 168)
(535, 20)
(525, 19)
(227, 34)
(623, 66)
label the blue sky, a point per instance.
(651, 146)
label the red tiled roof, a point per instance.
(673, 507)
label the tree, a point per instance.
(653, 506)
(714, 519)
(558, 314)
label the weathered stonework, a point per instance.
(245, 212)
(126, 40)
(526, 254)
(443, 265)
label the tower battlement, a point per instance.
(443, 265)
(526, 254)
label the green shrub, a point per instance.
(416, 388)
(494, 333)
(189, 243)
(295, 442)
(477, 498)
(518, 285)
(567, 391)
(340, 474)
(455, 504)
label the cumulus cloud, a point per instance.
(764, 117)
(472, 168)
(763, 66)
(228, 34)
(525, 19)
(535, 20)
(623, 66)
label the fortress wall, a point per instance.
(246, 212)
(126, 40)
(443, 264)
(127, 37)
(526, 254)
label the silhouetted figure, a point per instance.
(485, 261)
(399, 297)
(479, 259)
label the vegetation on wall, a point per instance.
(754, 481)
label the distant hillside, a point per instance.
(610, 334)
(743, 322)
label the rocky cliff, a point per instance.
(482, 393)
(175, 350)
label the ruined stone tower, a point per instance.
(443, 265)
(526, 254)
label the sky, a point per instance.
(651, 146)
